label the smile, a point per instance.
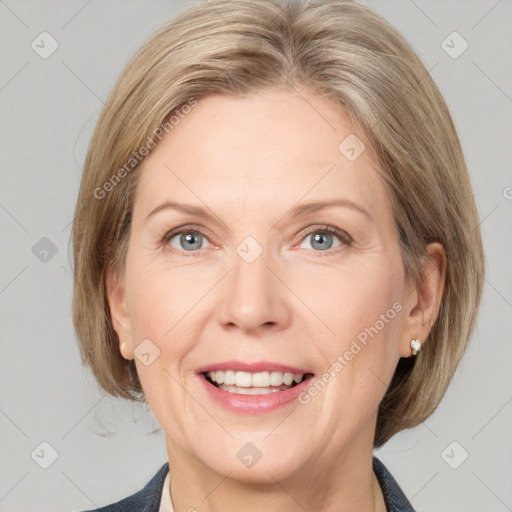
(254, 383)
(253, 386)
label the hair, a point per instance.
(341, 51)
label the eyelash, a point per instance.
(344, 237)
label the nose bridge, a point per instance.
(253, 297)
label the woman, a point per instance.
(256, 132)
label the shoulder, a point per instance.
(146, 499)
(394, 497)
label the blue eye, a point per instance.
(321, 241)
(323, 238)
(191, 240)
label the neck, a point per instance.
(341, 482)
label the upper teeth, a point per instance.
(256, 380)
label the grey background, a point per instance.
(107, 448)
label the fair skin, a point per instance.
(248, 161)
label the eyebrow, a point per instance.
(297, 211)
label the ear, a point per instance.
(116, 297)
(423, 301)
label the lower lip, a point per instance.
(254, 403)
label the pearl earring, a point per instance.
(415, 346)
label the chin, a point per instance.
(257, 463)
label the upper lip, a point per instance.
(254, 366)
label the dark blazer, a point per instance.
(148, 498)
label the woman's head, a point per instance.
(250, 110)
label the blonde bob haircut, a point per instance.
(341, 51)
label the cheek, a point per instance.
(159, 298)
(156, 308)
(163, 305)
(354, 299)
(363, 309)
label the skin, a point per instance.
(249, 160)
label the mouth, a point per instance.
(254, 383)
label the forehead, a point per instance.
(262, 150)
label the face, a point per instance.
(255, 282)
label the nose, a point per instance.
(254, 296)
